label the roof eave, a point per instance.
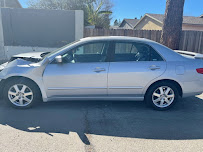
(154, 18)
(147, 16)
(121, 23)
(126, 23)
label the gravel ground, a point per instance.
(101, 126)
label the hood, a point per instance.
(31, 56)
(35, 55)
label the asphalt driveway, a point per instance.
(102, 126)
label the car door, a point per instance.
(133, 66)
(82, 73)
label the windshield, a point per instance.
(59, 49)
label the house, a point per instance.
(155, 22)
(10, 3)
(115, 27)
(128, 23)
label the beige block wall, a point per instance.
(148, 24)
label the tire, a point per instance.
(162, 96)
(21, 93)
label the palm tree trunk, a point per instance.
(172, 25)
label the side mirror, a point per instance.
(59, 59)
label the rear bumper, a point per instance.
(192, 88)
(191, 94)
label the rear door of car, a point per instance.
(133, 65)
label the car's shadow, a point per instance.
(120, 119)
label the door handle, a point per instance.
(98, 69)
(154, 67)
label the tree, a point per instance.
(119, 22)
(74, 5)
(172, 24)
(97, 16)
(115, 23)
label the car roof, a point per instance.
(116, 38)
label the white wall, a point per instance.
(67, 26)
(2, 53)
(79, 24)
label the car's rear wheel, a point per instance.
(162, 96)
(21, 93)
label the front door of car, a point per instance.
(133, 66)
(83, 72)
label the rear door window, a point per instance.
(130, 51)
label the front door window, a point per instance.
(92, 52)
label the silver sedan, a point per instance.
(103, 68)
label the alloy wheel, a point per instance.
(163, 96)
(20, 95)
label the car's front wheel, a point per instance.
(162, 96)
(21, 93)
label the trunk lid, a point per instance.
(190, 54)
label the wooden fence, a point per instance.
(190, 40)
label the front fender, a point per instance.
(22, 68)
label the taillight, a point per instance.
(200, 70)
